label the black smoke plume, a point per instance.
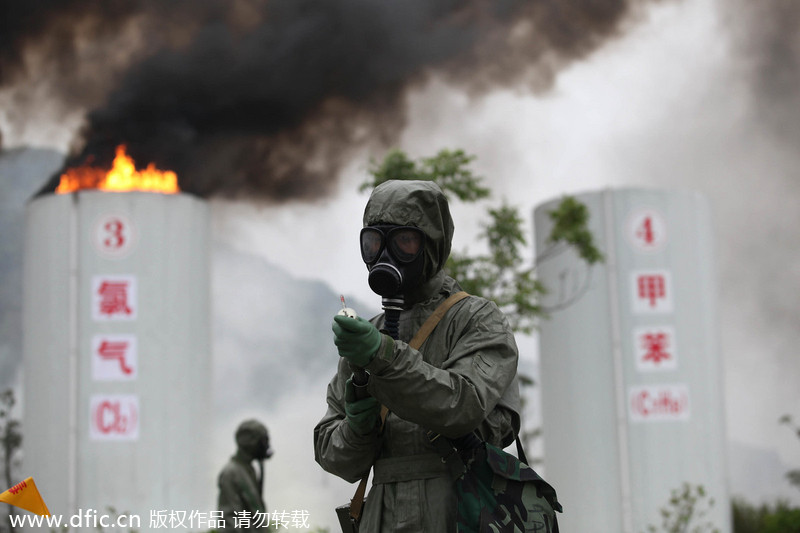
(269, 98)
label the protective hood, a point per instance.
(415, 203)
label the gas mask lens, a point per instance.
(403, 242)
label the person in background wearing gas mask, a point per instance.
(240, 490)
(462, 380)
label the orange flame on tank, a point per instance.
(122, 177)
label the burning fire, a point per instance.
(122, 177)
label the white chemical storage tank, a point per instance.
(117, 352)
(631, 379)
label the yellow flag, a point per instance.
(26, 496)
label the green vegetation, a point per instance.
(688, 506)
(780, 517)
(777, 518)
(686, 512)
(497, 275)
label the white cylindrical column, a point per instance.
(632, 399)
(117, 354)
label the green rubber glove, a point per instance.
(362, 415)
(357, 339)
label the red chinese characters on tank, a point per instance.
(114, 298)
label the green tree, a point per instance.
(497, 274)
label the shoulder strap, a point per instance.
(521, 452)
(421, 336)
(430, 324)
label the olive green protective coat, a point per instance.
(239, 494)
(463, 378)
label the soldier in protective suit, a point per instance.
(461, 380)
(240, 490)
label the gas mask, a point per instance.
(394, 257)
(253, 439)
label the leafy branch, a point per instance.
(497, 275)
(687, 507)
